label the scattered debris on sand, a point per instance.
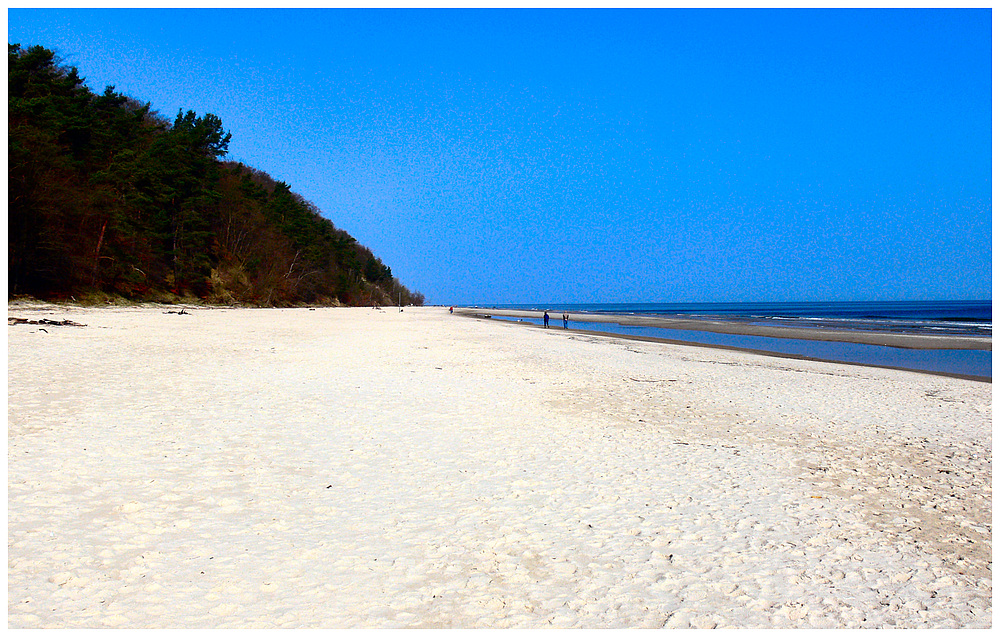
(11, 320)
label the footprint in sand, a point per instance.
(132, 507)
(224, 610)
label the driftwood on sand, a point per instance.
(11, 320)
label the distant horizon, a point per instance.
(732, 303)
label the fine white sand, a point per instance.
(353, 468)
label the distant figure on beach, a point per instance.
(451, 310)
(546, 318)
(565, 321)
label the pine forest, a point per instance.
(108, 200)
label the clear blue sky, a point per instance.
(509, 156)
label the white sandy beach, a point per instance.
(353, 468)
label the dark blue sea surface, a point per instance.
(951, 318)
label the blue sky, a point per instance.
(519, 156)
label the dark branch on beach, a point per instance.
(20, 321)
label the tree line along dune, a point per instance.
(110, 200)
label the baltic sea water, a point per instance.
(942, 318)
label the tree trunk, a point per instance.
(97, 253)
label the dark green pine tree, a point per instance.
(189, 156)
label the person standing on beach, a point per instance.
(565, 321)
(546, 318)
